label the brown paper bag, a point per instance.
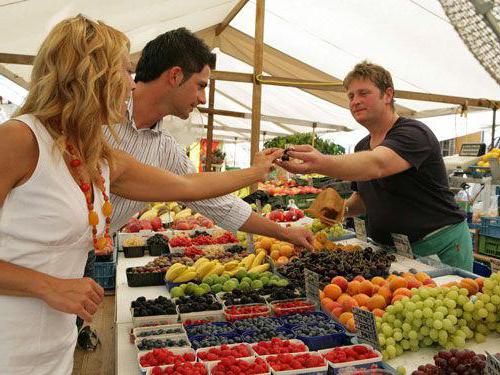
(328, 207)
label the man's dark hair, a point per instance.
(178, 47)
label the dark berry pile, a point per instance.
(157, 239)
(238, 297)
(161, 331)
(148, 344)
(188, 304)
(209, 329)
(159, 306)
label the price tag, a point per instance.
(366, 328)
(360, 228)
(312, 286)
(492, 365)
(402, 244)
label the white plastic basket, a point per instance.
(153, 320)
(294, 341)
(361, 363)
(204, 350)
(137, 331)
(170, 337)
(149, 370)
(323, 370)
(176, 351)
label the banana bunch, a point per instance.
(180, 273)
(183, 214)
(251, 263)
(205, 267)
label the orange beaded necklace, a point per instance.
(104, 243)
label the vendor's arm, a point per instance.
(134, 180)
(78, 296)
(355, 205)
(297, 235)
(360, 166)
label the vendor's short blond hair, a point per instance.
(379, 76)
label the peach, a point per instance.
(397, 283)
(337, 311)
(342, 297)
(361, 299)
(397, 298)
(327, 304)
(366, 287)
(344, 317)
(353, 287)
(386, 293)
(429, 281)
(414, 283)
(470, 285)
(421, 276)
(378, 312)
(332, 291)
(375, 289)
(376, 302)
(404, 291)
(359, 278)
(351, 326)
(480, 282)
(341, 282)
(380, 281)
(349, 303)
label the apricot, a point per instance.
(344, 317)
(321, 294)
(378, 312)
(366, 287)
(332, 291)
(361, 299)
(397, 283)
(386, 293)
(341, 282)
(375, 289)
(337, 311)
(275, 254)
(377, 301)
(397, 298)
(359, 278)
(351, 325)
(413, 283)
(480, 283)
(421, 276)
(327, 304)
(380, 281)
(353, 287)
(470, 285)
(349, 303)
(404, 291)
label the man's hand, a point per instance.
(312, 160)
(299, 236)
(74, 296)
(266, 159)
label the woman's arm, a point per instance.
(136, 181)
(355, 205)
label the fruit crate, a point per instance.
(149, 370)
(197, 341)
(293, 341)
(144, 330)
(481, 269)
(276, 323)
(326, 341)
(233, 317)
(190, 328)
(490, 226)
(285, 333)
(279, 310)
(105, 273)
(153, 320)
(139, 340)
(134, 251)
(317, 315)
(251, 353)
(211, 365)
(489, 246)
(323, 370)
(335, 368)
(175, 351)
(144, 279)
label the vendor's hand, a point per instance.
(299, 236)
(74, 296)
(311, 158)
(265, 160)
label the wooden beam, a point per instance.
(258, 57)
(13, 58)
(207, 35)
(14, 77)
(231, 76)
(460, 100)
(240, 46)
(227, 20)
(244, 131)
(210, 125)
(286, 120)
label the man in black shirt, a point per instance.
(399, 176)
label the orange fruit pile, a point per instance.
(340, 296)
(280, 252)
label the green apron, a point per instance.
(453, 246)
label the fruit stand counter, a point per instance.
(126, 355)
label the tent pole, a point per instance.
(234, 159)
(210, 126)
(493, 128)
(313, 133)
(257, 87)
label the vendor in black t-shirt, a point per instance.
(399, 176)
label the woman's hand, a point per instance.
(74, 296)
(312, 160)
(265, 160)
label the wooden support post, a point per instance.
(257, 69)
(210, 126)
(493, 128)
(314, 133)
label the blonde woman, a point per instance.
(57, 173)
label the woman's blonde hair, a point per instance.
(77, 86)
